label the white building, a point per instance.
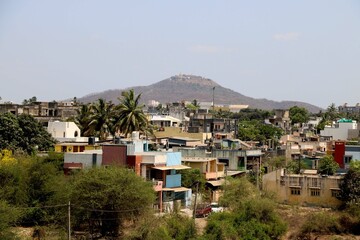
(340, 130)
(65, 131)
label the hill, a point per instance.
(189, 87)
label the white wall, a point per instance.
(63, 129)
(86, 158)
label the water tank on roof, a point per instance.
(91, 141)
(135, 135)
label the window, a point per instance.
(347, 159)
(315, 192)
(295, 191)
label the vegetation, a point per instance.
(350, 186)
(23, 133)
(250, 216)
(328, 165)
(167, 227)
(298, 115)
(105, 198)
(103, 119)
(257, 131)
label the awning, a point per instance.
(175, 167)
(233, 173)
(216, 183)
(177, 189)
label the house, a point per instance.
(213, 171)
(305, 189)
(42, 111)
(341, 130)
(64, 131)
(82, 160)
(344, 154)
(281, 119)
(164, 121)
(235, 160)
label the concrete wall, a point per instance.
(311, 190)
(173, 158)
(88, 159)
(114, 155)
(173, 180)
(63, 129)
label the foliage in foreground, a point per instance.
(250, 216)
(105, 198)
(167, 227)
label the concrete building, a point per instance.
(308, 189)
(341, 129)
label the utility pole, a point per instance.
(197, 190)
(69, 222)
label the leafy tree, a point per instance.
(257, 131)
(106, 197)
(23, 132)
(191, 177)
(170, 226)
(249, 216)
(34, 135)
(130, 116)
(298, 115)
(249, 114)
(8, 216)
(328, 165)
(350, 187)
(295, 166)
(10, 132)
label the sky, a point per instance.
(279, 50)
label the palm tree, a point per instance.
(130, 116)
(101, 116)
(83, 120)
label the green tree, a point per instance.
(328, 165)
(350, 187)
(8, 216)
(130, 116)
(83, 120)
(298, 115)
(106, 197)
(101, 117)
(249, 215)
(34, 135)
(23, 132)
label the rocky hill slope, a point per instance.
(189, 87)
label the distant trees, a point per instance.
(24, 133)
(298, 115)
(257, 131)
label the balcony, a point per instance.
(157, 185)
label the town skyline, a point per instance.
(280, 51)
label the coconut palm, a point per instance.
(130, 115)
(101, 117)
(83, 120)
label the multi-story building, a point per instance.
(308, 188)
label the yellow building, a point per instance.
(75, 147)
(308, 188)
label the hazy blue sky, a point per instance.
(280, 50)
